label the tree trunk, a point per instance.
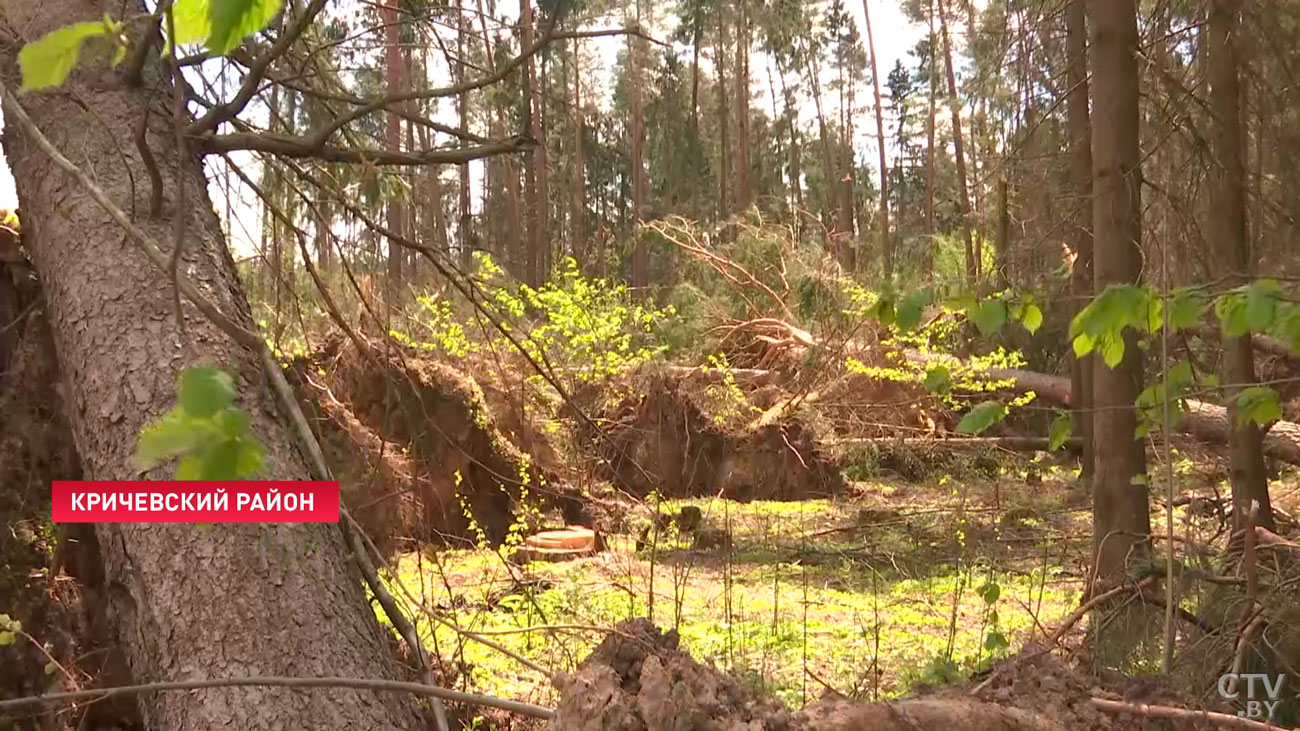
(724, 119)
(954, 104)
(394, 75)
(1233, 264)
(578, 222)
(886, 248)
(533, 162)
(1002, 255)
(640, 261)
(543, 174)
(740, 159)
(1080, 135)
(927, 262)
(190, 602)
(1120, 507)
(465, 236)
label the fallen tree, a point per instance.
(1205, 421)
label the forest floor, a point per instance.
(873, 595)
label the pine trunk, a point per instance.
(1233, 262)
(1121, 522)
(954, 104)
(1080, 135)
(189, 601)
(886, 247)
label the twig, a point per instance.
(150, 165)
(178, 223)
(523, 709)
(1182, 714)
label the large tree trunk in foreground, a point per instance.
(1119, 501)
(190, 602)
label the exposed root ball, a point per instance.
(663, 441)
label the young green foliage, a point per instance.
(980, 418)
(204, 431)
(1059, 431)
(222, 24)
(47, 61)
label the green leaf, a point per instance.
(1083, 344)
(249, 458)
(983, 416)
(938, 380)
(1287, 326)
(990, 592)
(220, 461)
(234, 20)
(1261, 304)
(1032, 318)
(1112, 349)
(995, 641)
(1139, 479)
(51, 667)
(1186, 309)
(48, 61)
(205, 391)
(989, 316)
(7, 638)
(190, 468)
(910, 309)
(1231, 311)
(1258, 404)
(168, 437)
(1060, 430)
(1155, 314)
(233, 422)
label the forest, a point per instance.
(682, 364)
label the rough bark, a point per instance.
(190, 602)
(1120, 507)
(1080, 132)
(1232, 256)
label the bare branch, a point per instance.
(221, 113)
(523, 709)
(314, 147)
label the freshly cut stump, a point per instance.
(559, 545)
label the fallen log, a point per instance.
(1013, 444)
(1205, 421)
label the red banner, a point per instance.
(196, 502)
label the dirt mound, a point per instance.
(638, 679)
(661, 440)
